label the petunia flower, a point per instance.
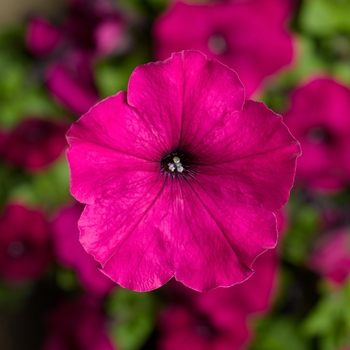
(278, 9)
(218, 319)
(34, 143)
(78, 324)
(331, 257)
(180, 176)
(70, 253)
(96, 27)
(183, 328)
(65, 83)
(92, 29)
(42, 37)
(248, 36)
(318, 117)
(24, 243)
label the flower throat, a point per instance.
(177, 163)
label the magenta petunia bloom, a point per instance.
(318, 117)
(331, 258)
(92, 29)
(95, 26)
(66, 84)
(77, 325)
(70, 253)
(248, 36)
(183, 328)
(181, 176)
(24, 243)
(34, 143)
(218, 319)
(3, 136)
(42, 37)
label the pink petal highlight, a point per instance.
(42, 38)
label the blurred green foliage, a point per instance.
(133, 316)
(329, 321)
(300, 319)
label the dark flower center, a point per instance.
(178, 162)
(217, 44)
(319, 134)
(16, 249)
(36, 136)
(205, 328)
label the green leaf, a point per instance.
(303, 228)
(143, 6)
(341, 71)
(279, 333)
(306, 63)
(50, 186)
(113, 76)
(325, 17)
(12, 296)
(134, 317)
(330, 321)
(66, 279)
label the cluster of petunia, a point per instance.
(178, 185)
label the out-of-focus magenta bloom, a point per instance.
(318, 117)
(78, 325)
(278, 9)
(24, 243)
(42, 37)
(67, 70)
(248, 36)
(181, 176)
(95, 26)
(34, 143)
(183, 328)
(92, 29)
(65, 83)
(331, 258)
(218, 319)
(2, 137)
(70, 253)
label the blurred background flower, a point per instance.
(57, 59)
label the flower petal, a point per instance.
(184, 96)
(156, 91)
(109, 146)
(211, 91)
(128, 234)
(158, 229)
(259, 159)
(251, 36)
(221, 234)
